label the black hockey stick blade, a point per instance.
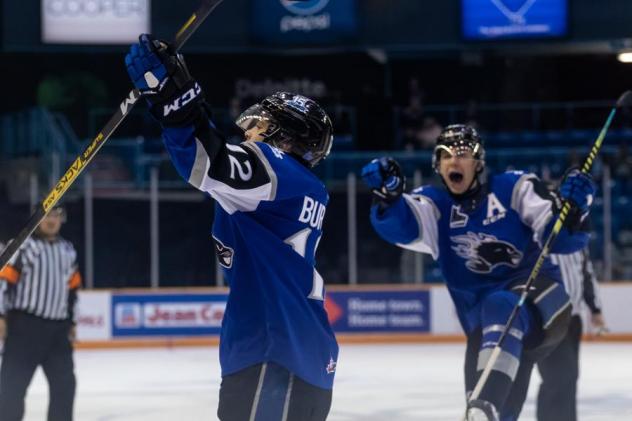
(625, 100)
(82, 161)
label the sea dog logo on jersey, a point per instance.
(485, 252)
(224, 254)
(304, 7)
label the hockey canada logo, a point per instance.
(224, 254)
(458, 219)
(331, 367)
(485, 252)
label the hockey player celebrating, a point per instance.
(277, 350)
(486, 237)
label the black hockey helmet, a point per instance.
(457, 138)
(297, 125)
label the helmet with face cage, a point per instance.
(296, 124)
(456, 139)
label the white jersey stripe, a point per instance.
(535, 211)
(427, 215)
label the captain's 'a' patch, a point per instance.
(224, 254)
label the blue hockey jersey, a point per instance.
(484, 248)
(268, 222)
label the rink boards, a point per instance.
(358, 314)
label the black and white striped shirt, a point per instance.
(41, 279)
(579, 279)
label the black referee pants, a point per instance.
(557, 398)
(33, 341)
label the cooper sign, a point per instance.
(94, 21)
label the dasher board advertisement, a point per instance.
(167, 314)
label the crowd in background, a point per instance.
(367, 114)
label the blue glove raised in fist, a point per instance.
(161, 75)
(579, 189)
(149, 64)
(385, 178)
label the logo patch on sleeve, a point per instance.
(224, 254)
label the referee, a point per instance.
(39, 292)
(557, 398)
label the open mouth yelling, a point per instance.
(455, 177)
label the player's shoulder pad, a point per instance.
(272, 153)
(512, 175)
(517, 182)
(297, 178)
(509, 179)
(435, 194)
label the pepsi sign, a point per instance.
(308, 7)
(307, 22)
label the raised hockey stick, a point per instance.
(625, 100)
(80, 163)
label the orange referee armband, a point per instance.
(10, 273)
(75, 280)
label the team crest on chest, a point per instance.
(495, 210)
(485, 252)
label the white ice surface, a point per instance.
(373, 383)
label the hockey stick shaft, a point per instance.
(557, 227)
(81, 162)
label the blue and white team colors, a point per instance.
(268, 222)
(484, 249)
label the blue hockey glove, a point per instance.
(162, 76)
(385, 178)
(579, 189)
